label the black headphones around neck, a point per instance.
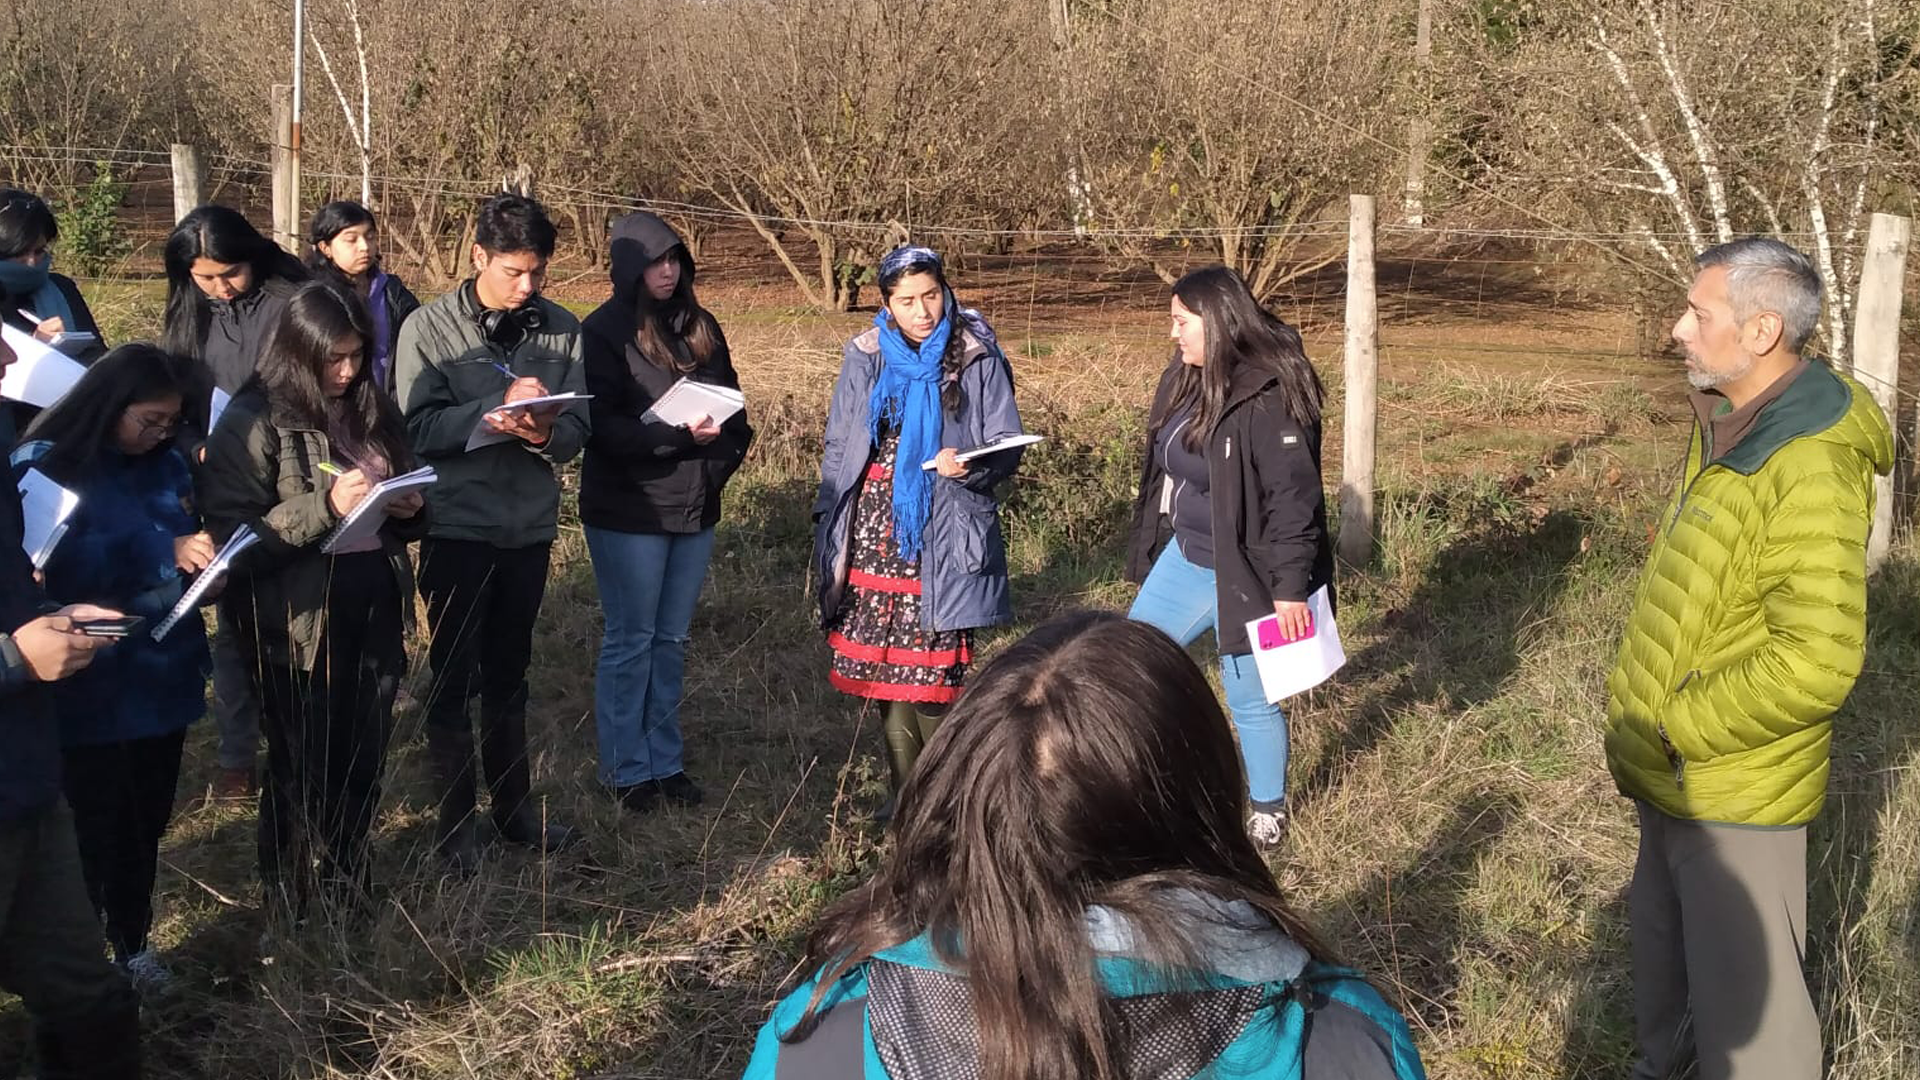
(508, 327)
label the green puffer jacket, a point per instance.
(447, 374)
(1750, 622)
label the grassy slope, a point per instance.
(1455, 833)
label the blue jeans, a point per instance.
(648, 584)
(1178, 598)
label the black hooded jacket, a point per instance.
(640, 476)
(1269, 510)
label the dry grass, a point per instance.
(1455, 834)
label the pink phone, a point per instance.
(1271, 638)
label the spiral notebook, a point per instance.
(365, 520)
(242, 539)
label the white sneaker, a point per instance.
(1267, 827)
(147, 973)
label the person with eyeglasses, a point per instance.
(33, 298)
(133, 543)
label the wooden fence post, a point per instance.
(1362, 385)
(1876, 351)
(285, 198)
(189, 180)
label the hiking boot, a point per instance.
(232, 783)
(640, 798)
(454, 837)
(679, 790)
(147, 974)
(503, 754)
(1268, 828)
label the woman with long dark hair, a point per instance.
(130, 544)
(1070, 895)
(909, 561)
(324, 631)
(649, 499)
(346, 248)
(226, 287)
(33, 297)
(1231, 524)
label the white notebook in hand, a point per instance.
(242, 539)
(994, 447)
(44, 509)
(687, 401)
(482, 435)
(365, 519)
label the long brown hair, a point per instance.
(298, 350)
(1087, 764)
(678, 317)
(1240, 333)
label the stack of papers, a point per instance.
(217, 404)
(1294, 667)
(41, 375)
(365, 520)
(482, 435)
(45, 508)
(687, 401)
(242, 539)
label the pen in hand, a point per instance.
(503, 369)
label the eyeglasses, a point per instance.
(164, 428)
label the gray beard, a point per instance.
(1707, 380)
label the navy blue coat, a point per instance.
(118, 552)
(963, 560)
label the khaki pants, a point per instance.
(1719, 922)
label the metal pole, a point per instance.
(299, 86)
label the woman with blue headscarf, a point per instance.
(33, 298)
(908, 555)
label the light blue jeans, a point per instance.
(1178, 598)
(649, 583)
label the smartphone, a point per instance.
(116, 627)
(1271, 638)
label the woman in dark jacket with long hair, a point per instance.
(1230, 498)
(33, 297)
(649, 499)
(908, 560)
(226, 287)
(1069, 894)
(326, 631)
(345, 247)
(130, 545)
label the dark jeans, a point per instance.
(482, 602)
(50, 951)
(327, 732)
(122, 798)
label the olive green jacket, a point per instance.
(1749, 624)
(505, 494)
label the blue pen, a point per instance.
(503, 369)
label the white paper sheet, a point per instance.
(242, 539)
(41, 374)
(45, 508)
(1295, 667)
(366, 518)
(482, 435)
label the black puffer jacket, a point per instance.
(640, 476)
(1269, 509)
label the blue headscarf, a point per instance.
(907, 395)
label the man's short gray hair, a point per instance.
(1764, 274)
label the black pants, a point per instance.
(327, 732)
(49, 939)
(482, 602)
(122, 799)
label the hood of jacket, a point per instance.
(636, 241)
(1819, 404)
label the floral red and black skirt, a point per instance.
(879, 648)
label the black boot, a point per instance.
(503, 753)
(454, 837)
(101, 1045)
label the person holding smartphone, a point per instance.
(492, 341)
(85, 1015)
(325, 630)
(131, 544)
(1231, 524)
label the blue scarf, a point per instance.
(28, 285)
(907, 395)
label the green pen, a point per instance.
(331, 469)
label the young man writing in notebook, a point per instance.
(483, 567)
